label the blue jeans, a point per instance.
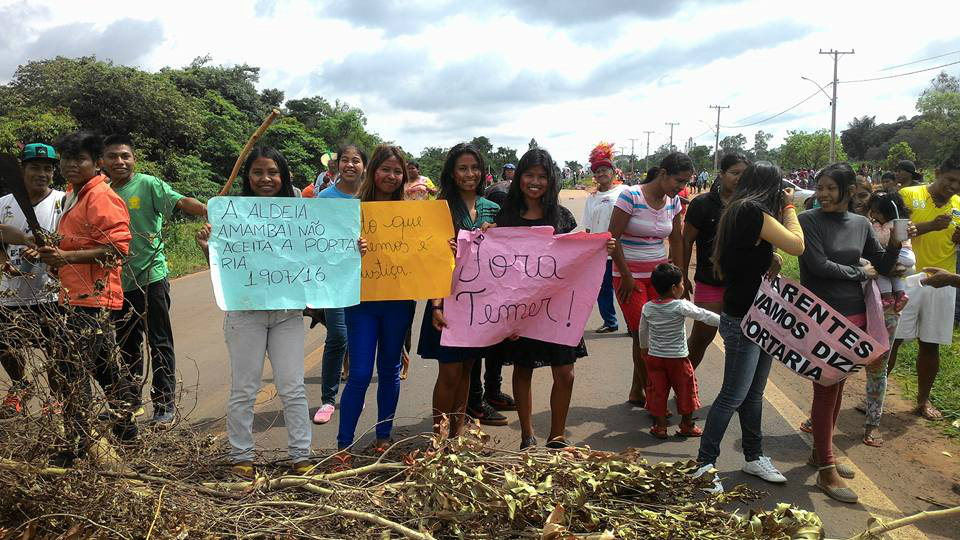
(375, 332)
(745, 372)
(333, 349)
(605, 298)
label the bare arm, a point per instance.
(690, 234)
(192, 206)
(56, 257)
(676, 242)
(11, 235)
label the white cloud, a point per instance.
(568, 73)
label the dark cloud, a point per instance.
(400, 17)
(403, 78)
(123, 41)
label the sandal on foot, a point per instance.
(528, 442)
(381, 447)
(659, 432)
(807, 426)
(557, 443)
(689, 430)
(873, 437)
(244, 469)
(843, 470)
(342, 461)
(929, 412)
(844, 494)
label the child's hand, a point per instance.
(203, 237)
(611, 246)
(453, 246)
(439, 321)
(362, 246)
(487, 226)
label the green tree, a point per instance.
(431, 161)
(33, 124)
(702, 157)
(939, 107)
(807, 150)
(192, 177)
(761, 145)
(235, 83)
(855, 138)
(271, 98)
(733, 143)
(574, 166)
(898, 152)
(501, 157)
(301, 148)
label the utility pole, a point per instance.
(716, 142)
(646, 157)
(671, 124)
(633, 157)
(833, 103)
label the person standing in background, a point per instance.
(596, 219)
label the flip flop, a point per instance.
(659, 432)
(807, 426)
(689, 430)
(875, 441)
(929, 412)
(844, 495)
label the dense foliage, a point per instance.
(189, 124)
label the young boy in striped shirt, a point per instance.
(663, 344)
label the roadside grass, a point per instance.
(946, 389)
(183, 255)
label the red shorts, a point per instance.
(642, 293)
(666, 373)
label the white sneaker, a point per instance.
(717, 485)
(763, 468)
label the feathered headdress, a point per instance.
(601, 156)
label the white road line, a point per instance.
(871, 497)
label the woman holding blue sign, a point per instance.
(461, 185)
(759, 218)
(253, 334)
(841, 252)
(375, 330)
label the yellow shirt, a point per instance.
(936, 248)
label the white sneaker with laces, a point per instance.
(717, 484)
(764, 468)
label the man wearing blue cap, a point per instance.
(23, 284)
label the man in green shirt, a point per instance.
(146, 290)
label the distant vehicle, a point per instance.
(800, 195)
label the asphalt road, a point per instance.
(599, 416)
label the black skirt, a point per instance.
(429, 344)
(533, 353)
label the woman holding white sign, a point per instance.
(759, 218)
(461, 184)
(841, 252)
(375, 329)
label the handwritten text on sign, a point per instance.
(408, 250)
(523, 281)
(804, 333)
(284, 253)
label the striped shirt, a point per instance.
(643, 239)
(662, 328)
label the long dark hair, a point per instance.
(888, 205)
(759, 186)
(448, 186)
(515, 205)
(368, 188)
(269, 152)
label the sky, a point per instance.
(568, 73)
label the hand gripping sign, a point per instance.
(523, 281)
(805, 334)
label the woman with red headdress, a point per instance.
(596, 218)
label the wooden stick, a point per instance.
(247, 148)
(881, 527)
(353, 514)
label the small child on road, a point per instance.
(663, 343)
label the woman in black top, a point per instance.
(700, 227)
(749, 230)
(533, 200)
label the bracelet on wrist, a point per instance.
(789, 206)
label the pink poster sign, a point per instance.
(523, 281)
(805, 334)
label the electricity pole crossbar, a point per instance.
(716, 142)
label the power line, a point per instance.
(901, 74)
(919, 61)
(781, 113)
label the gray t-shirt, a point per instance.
(662, 329)
(830, 267)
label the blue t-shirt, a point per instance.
(333, 193)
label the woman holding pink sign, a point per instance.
(841, 252)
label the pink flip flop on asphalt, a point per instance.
(324, 413)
